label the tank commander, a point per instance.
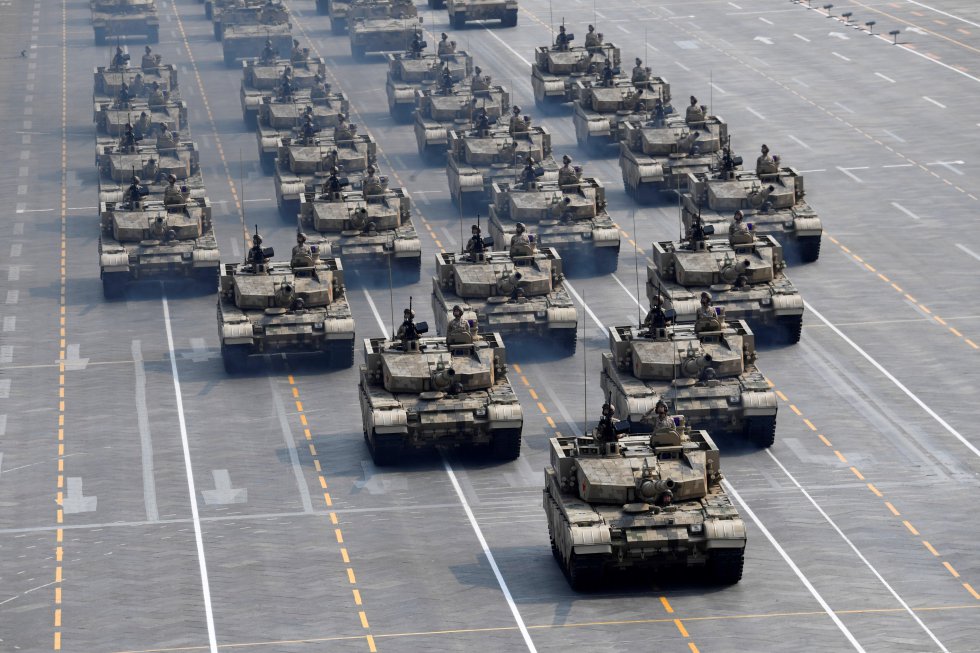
(417, 45)
(408, 333)
(656, 319)
(695, 112)
(482, 121)
(765, 164)
(372, 184)
(268, 53)
(124, 96)
(516, 121)
(738, 229)
(120, 59)
(138, 87)
(707, 316)
(446, 47)
(171, 194)
(605, 430)
(302, 253)
(661, 420)
(640, 74)
(458, 326)
(135, 193)
(342, 132)
(446, 81)
(156, 97)
(130, 139)
(608, 74)
(592, 39)
(562, 40)
(320, 89)
(520, 242)
(256, 254)
(529, 174)
(474, 246)
(298, 54)
(149, 61)
(159, 228)
(479, 81)
(567, 175)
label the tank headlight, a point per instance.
(541, 314)
(788, 224)
(587, 235)
(696, 528)
(186, 256)
(318, 326)
(733, 399)
(480, 412)
(765, 301)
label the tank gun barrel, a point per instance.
(650, 488)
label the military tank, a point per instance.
(772, 201)
(704, 370)
(628, 503)
(391, 33)
(163, 239)
(408, 73)
(262, 79)
(214, 8)
(520, 296)
(479, 157)
(108, 80)
(247, 39)
(115, 18)
(341, 12)
(439, 111)
(602, 109)
(462, 11)
(556, 71)
(742, 272)
(111, 119)
(303, 163)
(118, 164)
(230, 12)
(367, 223)
(299, 307)
(658, 155)
(419, 392)
(282, 116)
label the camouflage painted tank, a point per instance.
(139, 80)
(478, 158)
(230, 12)
(439, 112)
(705, 371)
(115, 18)
(572, 218)
(369, 226)
(743, 273)
(392, 33)
(773, 202)
(602, 110)
(302, 165)
(214, 8)
(342, 12)
(118, 164)
(658, 155)
(556, 71)
(461, 11)
(299, 307)
(408, 73)
(519, 297)
(111, 119)
(282, 116)
(639, 503)
(421, 392)
(247, 39)
(149, 239)
(261, 80)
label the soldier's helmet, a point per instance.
(268, 43)
(371, 170)
(118, 49)
(148, 49)
(639, 62)
(478, 70)
(172, 178)
(300, 237)
(444, 36)
(475, 229)
(516, 109)
(561, 29)
(694, 100)
(739, 215)
(566, 159)
(334, 170)
(591, 28)
(660, 408)
(520, 227)
(765, 149)
(409, 313)
(256, 239)
(457, 311)
(705, 296)
(136, 180)
(295, 43)
(608, 410)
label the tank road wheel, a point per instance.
(153, 34)
(790, 327)
(725, 566)
(235, 358)
(321, 7)
(341, 354)
(606, 260)
(554, 547)
(338, 25)
(100, 34)
(761, 430)
(114, 284)
(207, 279)
(407, 270)
(385, 449)
(505, 444)
(567, 340)
(458, 20)
(510, 20)
(583, 574)
(358, 52)
(809, 247)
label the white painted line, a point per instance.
(4, 388)
(189, 471)
(146, 442)
(949, 165)
(814, 170)
(598, 322)
(938, 104)
(905, 211)
(377, 315)
(799, 141)
(717, 88)
(858, 553)
(840, 56)
(801, 37)
(900, 165)
(801, 82)
(766, 21)
(847, 171)
(13, 296)
(960, 247)
(792, 565)
(16, 249)
(734, 5)
(901, 386)
(683, 67)
(886, 78)
(895, 136)
(755, 113)
(507, 45)
(938, 11)
(10, 323)
(289, 442)
(13, 273)
(622, 29)
(845, 108)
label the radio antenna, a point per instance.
(636, 266)
(241, 184)
(585, 374)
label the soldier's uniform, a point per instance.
(592, 39)
(149, 61)
(458, 326)
(516, 122)
(519, 242)
(567, 174)
(446, 46)
(120, 60)
(301, 250)
(694, 112)
(479, 82)
(172, 194)
(475, 246)
(639, 72)
(156, 97)
(738, 226)
(561, 41)
(765, 164)
(372, 185)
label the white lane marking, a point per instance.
(755, 113)
(936, 102)
(799, 141)
(886, 78)
(489, 556)
(507, 45)
(900, 165)
(766, 21)
(847, 171)
(628, 293)
(146, 441)
(22, 189)
(801, 37)
(13, 296)
(905, 211)
(792, 565)
(717, 88)
(189, 471)
(960, 247)
(18, 228)
(289, 441)
(895, 136)
(840, 56)
(3, 425)
(891, 377)
(734, 5)
(10, 322)
(801, 82)
(845, 108)
(814, 170)
(939, 11)
(622, 29)
(473, 523)
(13, 273)
(949, 165)
(4, 388)
(683, 67)
(6, 353)
(858, 553)
(598, 322)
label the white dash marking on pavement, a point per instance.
(936, 102)
(799, 141)
(968, 251)
(755, 113)
(801, 37)
(766, 21)
(886, 78)
(840, 56)
(905, 211)
(847, 171)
